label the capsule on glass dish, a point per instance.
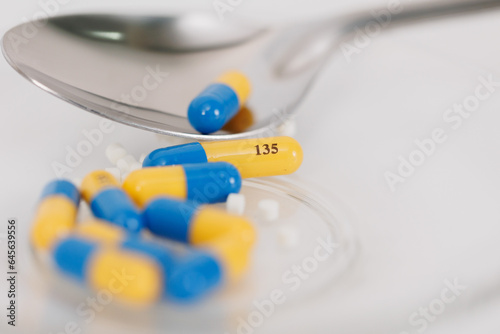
(219, 102)
(56, 213)
(108, 201)
(252, 157)
(132, 277)
(188, 275)
(230, 237)
(204, 183)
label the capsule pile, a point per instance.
(169, 197)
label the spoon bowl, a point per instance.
(145, 70)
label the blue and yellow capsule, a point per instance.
(187, 275)
(109, 202)
(252, 157)
(130, 276)
(56, 213)
(229, 237)
(204, 183)
(219, 102)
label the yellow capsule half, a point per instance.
(239, 83)
(131, 277)
(145, 184)
(211, 224)
(229, 237)
(56, 214)
(258, 157)
(56, 217)
(96, 182)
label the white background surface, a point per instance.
(442, 223)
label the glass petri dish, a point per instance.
(297, 258)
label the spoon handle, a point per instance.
(412, 12)
(307, 47)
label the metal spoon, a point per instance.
(116, 66)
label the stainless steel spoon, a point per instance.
(143, 71)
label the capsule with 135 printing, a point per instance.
(252, 157)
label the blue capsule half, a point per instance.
(64, 188)
(109, 202)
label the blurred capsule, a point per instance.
(204, 183)
(187, 275)
(130, 276)
(228, 236)
(219, 102)
(252, 157)
(109, 202)
(56, 213)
